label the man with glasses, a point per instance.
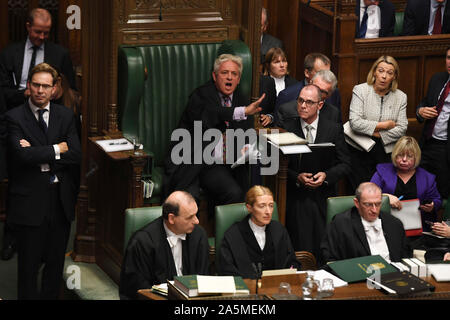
(312, 177)
(18, 59)
(45, 154)
(365, 230)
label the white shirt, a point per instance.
(279, 84)
(27, 60)
(433, 8)
(176, 246)
(259, 232)
(373, 19)
(45, 167)
(440, 128)
(375, 238)
(313, 129)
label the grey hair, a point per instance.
(228, 57)
(327, 76)
(370, 186)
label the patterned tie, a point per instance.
(437, 27)
(439, 106)
(309, 136)
(41, 120)
(33, 60)
(226, 104)
(363, 27)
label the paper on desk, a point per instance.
(293, 149)
(409, 215)
(113, 145)
(323, 274)
(440, 271)
(216, 284)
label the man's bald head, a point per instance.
(38, 25)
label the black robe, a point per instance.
(240, 249)
(346, 238)
(148, 258)
(306, 208)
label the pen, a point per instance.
(400, 198)
(117, 143)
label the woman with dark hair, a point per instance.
(275, 78)
(257, 240)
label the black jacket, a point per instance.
(417, 18)
(387, 12)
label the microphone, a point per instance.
(160, 10)
(307, 4)
(258, 272)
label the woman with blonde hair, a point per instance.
(257, 242)
(377, 110)
(403, 178)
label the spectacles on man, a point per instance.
(309, 103)
(371, 204)
(37, 86)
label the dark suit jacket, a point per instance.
(204, 105)
(387, 11)
(148, 259)
(292, 92)
(2, 136)
(11, 61)
(417, 18)
(268, 42)
(346, 238)
(28, 186)
(288, 110)
(435, 86)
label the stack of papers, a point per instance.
(439, 271)
(114, 145)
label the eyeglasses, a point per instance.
(408, 156)
(371, 204)
(309, 103)
(37, 86)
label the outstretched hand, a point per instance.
(254, 107)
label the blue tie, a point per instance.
(41, 120)
(363, 27)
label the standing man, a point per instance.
(376, 18)
(426, 17)
(364, 230)
(45, 155)
(214, 105)
(312, 177)
(2, 137)
(434, 109)
(17, 60)
(267, 41)
(172, 245)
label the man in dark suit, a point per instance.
(313, 63)
(434, 109)
(172, 245)
(17, 60)
(385, 16)
(364, 230)
(420, 17)
(327, 82)
(312, 177)
(267, 41)
(215, 106)
(45, 155)
(2, 137)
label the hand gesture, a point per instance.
(254, 107)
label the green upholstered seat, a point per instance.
(228, 214)
(155, 82)
(337, 205)
(137, 218)
(399, 15)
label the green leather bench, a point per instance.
(154, 84)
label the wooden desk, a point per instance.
(354, 291)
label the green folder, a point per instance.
(359, 269)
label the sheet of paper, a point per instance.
(113, 145)
(285, 138)
(440, 271)
(323, 274)
(324, 144)
(216, 284)
(409, 215)
(293, 149)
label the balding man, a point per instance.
(267, 41)
(312, 178)
(365, 230)
(172, 245)
(18, 59)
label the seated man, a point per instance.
(214, 107)
(364, 230)
(171, 245)
(257, 242)
(426, 17)
(376, 18)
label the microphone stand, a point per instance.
(258, 272)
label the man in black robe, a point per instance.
(349, 235)
(171, 245)
(240, 254)
(312, 177)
